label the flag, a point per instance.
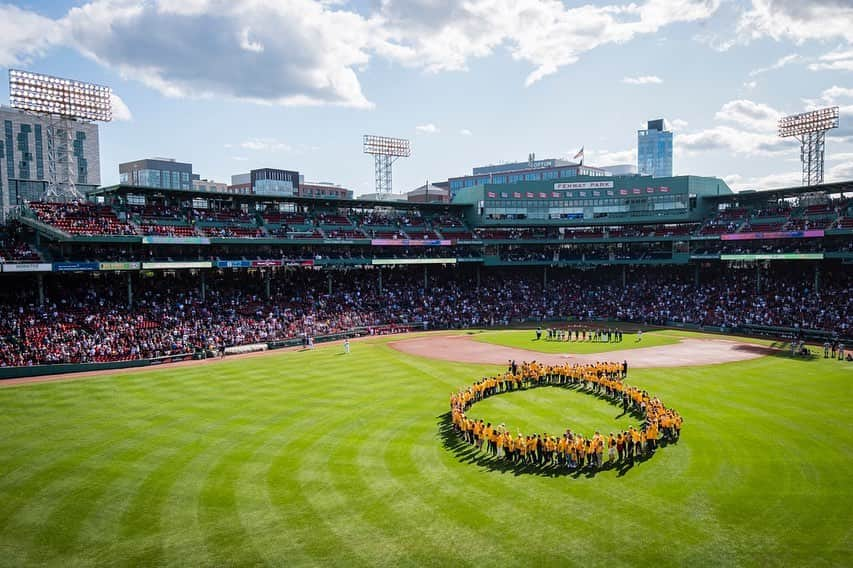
(516, 194)
(529, 194)
(579, 155)
(582, 193)
(623, 192)
(542, 195)
(664, 190)
(555, 194)
(610, 192)
(492, 194)
(596, 194)
(636, 191)
(650, 190)
(504, 194)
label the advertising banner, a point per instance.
(76, 266)
(28, 267)
(175, 265)
(120, 265)
(386, 261)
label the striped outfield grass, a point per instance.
(321, 458)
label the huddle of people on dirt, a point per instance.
(568, 450)
(576, 333)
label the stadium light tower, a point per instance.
(385, 152)
(61, 102)
(810, 129)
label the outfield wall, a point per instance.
(60, 369)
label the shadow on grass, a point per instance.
(781, 349)
(466, 453)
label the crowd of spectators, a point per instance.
(79, 218)
(87, 319)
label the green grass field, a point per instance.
(526, 339)
(309, 458)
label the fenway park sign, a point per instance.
(585, 185)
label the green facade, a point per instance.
(593, 200)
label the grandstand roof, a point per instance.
(793, 191)
(326, 201)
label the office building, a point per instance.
(267, 181)
(654, 149)
(162, 173)
(24, 168)
(516, 172)
(324, 190)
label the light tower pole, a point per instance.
(385, 152)
(810, 129)
(61, 102)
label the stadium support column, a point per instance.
(329, 282)
(380, 280)
(624, 276)
(758, 279)
(203, 286)
(545, 278)
(817, 279)
(129, 290)
(696, 277)
(40, 279)
(267, 280)
(425, 278)
(478, 276)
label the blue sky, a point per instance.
(232, 85)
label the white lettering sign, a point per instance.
(584, 185)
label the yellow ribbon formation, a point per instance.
(572, 450)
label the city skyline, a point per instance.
(476, 87)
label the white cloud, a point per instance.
(781, 62)
(678, 124)
(751, 132)
(608, 158)
(837, 60)
(240, 158)
(836, 96)
(734, 140)
(798, 20)
(750, 84)
(440, 35)
(840, 157)
(777, 180)
(237, 50)
(249, 45)
(643, 80)
(265, 145)
(429, 128)
(747, 113)
(465, 132)
(830, 96)
(121, 112)
(24, 35)
(840, 172)
(222, 48)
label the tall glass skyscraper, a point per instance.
(654, 150)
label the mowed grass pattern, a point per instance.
(551, 410)
(526, 339)
(309, 458)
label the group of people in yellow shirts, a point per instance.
(571, 449)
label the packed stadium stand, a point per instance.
(134, 275)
